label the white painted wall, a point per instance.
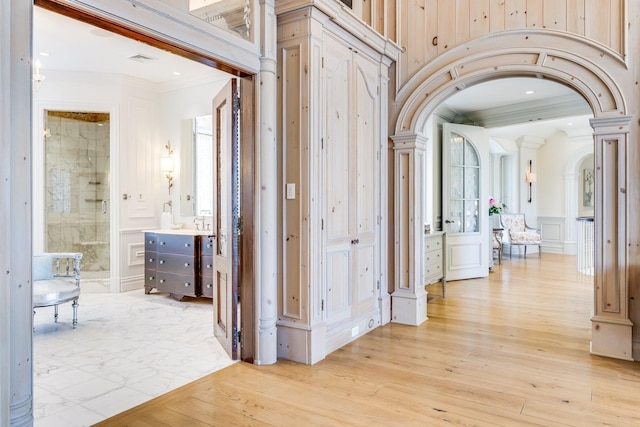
(553, 157)
(177, 109)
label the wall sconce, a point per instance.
(37, 77)
(167, 165)
(530, 178)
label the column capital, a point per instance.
(609, 125)
(408, 140)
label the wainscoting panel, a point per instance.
(552, 230)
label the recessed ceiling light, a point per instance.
(569, 124)
(530, 92)
(44, 53)
(176, 73)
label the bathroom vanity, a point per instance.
(179, 262)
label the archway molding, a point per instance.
(584, 66)
(580, 64)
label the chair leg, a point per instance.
(525, 251)
(55, 313)
(75, 313)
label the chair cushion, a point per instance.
(53, 291)
(525, 237)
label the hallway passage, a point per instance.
(510, 349)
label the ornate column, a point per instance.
(266, 288)
(409, 299)
(16, 351)
(611, 328)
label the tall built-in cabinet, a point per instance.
(333, 101)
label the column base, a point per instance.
(612, 338)
(409, 309)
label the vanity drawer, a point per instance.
(178, 264)
(176, 244)
(181, 284)
(150, 260)
(207, 245)
(206, 287)
(206, 266)
(150, 277)
(150, 242)
(433, 258)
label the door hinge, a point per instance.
(240, 342)
(378, 285)
(323, 62)
(322, 305)
(322, 224)
(236, 337)
(240, 225)
(378, 155)
(379, 219)
(322, 143)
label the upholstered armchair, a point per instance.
(56, 280)
(518, 233)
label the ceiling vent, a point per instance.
(144, 59)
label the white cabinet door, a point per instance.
(351, 183)
(465, 198)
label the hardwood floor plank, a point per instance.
(510, 349)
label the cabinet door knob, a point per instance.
(355, 241)
(161, 261)
(186, 285)
(186, 245)
(161, 280)
(163, 243)
(208, 285)
(150, 259)
(186, 264)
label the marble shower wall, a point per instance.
(77, 186)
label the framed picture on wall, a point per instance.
(587, 187)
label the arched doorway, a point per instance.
(539, 56)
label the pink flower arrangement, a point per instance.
(495, 206)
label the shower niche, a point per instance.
(77, 187)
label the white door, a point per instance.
(225, 218)
(465, 200)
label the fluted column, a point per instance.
(267, 292)
(409, 299)
(611, 331)
(16, 378)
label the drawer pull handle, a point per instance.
(151, 242)
(186, 264)
(161, 280)
(163, 243)
(151, 278)
(151, 259)
(186, 245)
(161, 261)
(355, 241)
(186, 285)
(209, 286)
(209, 266)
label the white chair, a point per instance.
(56, 280)
(518, 233)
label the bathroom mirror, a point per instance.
(196, 195)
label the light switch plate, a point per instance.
(291, 191)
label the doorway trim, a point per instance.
(549, 55)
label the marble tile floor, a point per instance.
(128, 348)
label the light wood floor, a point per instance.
(512, 349)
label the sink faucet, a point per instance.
(199, 222)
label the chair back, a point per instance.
(42, 267)
(513, 222)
